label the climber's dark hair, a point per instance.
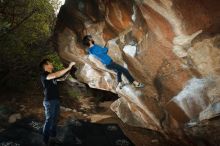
(42, 63)
(86, 40)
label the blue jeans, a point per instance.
(52, 110)
(120, 70)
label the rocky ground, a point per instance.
(18, 114)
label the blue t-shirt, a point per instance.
(101, 54)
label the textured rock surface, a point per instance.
(170, 45)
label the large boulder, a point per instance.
(172, 46)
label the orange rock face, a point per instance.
(170, 45)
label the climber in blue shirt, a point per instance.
(101, 53)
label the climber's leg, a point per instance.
(126, 73)
(130, 78)
(121, 70)
(114, 66)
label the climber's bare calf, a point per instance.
(102, 54)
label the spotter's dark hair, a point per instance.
(42, 63)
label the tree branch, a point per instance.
(16, 26)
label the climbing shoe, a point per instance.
(138, 85)
(121, 85)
